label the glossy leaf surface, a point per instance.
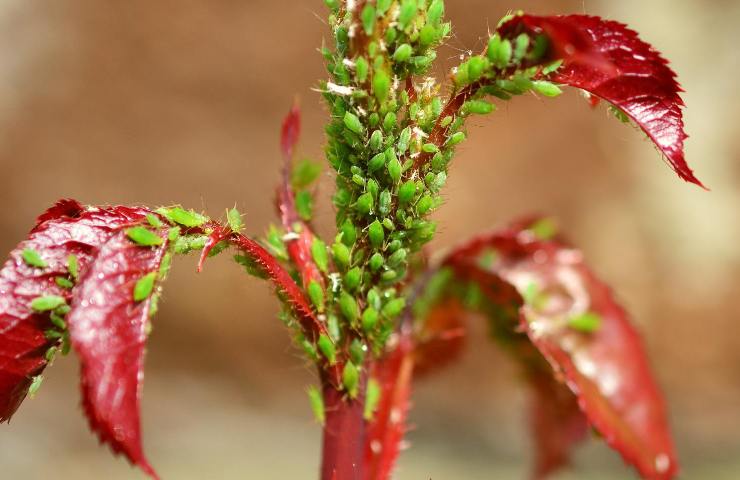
(606, 367)
(610, 61)
(90, 248)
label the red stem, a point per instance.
(344, 435)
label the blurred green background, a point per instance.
(166, 101)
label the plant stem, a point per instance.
(344, 434)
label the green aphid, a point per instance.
(352, 279)
(393, 308)
(35, 385)
(154, 220)
(429, 148)
(369, 319)
(372, 399)
(320, 257)
(428, 35)
(376, 261)
(373, 298)
(351, 379)
(332, 4)
(541, 45)
(173, 234)
(381, 85)
(376, 234)
(403, 53)
(143, 236)
(389, 276)
(50, 354)
(361, 70)
(476, 68)
(186, 218)
(552, 67)
(349, 233)
(353, 123)
(376, 162)
(304, 174)
(64, 282)
(499, 51)
(364, 204)
(367, 16)
(316, 294)
(73, 266)
(588, 322)
(376, 140)
(275, 243)
(394, 169)
(332, 325)
(53, 334)
(308, 347)
(32, 258)
(407, 13)
(388, 224)
(341, 255)
(404, 138)
(478, 107)
(63, 309)
(389, 121)
(439, 181)
(218, 248)
(394, 245)
(357, 351)
(251, 266)
(619, 114)
(348, 307)
(327, 349)
(521, 44)
(57, 321)
(317, 404)
(544, 229)
(164, 267)
(382, 6)
(384, 202)
(47, 303)
(435, 12)
(304, 205)
(425, 204)
(546, 88)
(144, 287)
(456, 138)
(358, 256)
(372, 187)
(398, 258)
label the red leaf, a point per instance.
(607, 368)
(609, 60)
(106, 325)
(109, 331)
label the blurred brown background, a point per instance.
(166, 101)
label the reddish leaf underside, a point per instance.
(608, 60)
(106, 326)
(605, 368)
(109, 331)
